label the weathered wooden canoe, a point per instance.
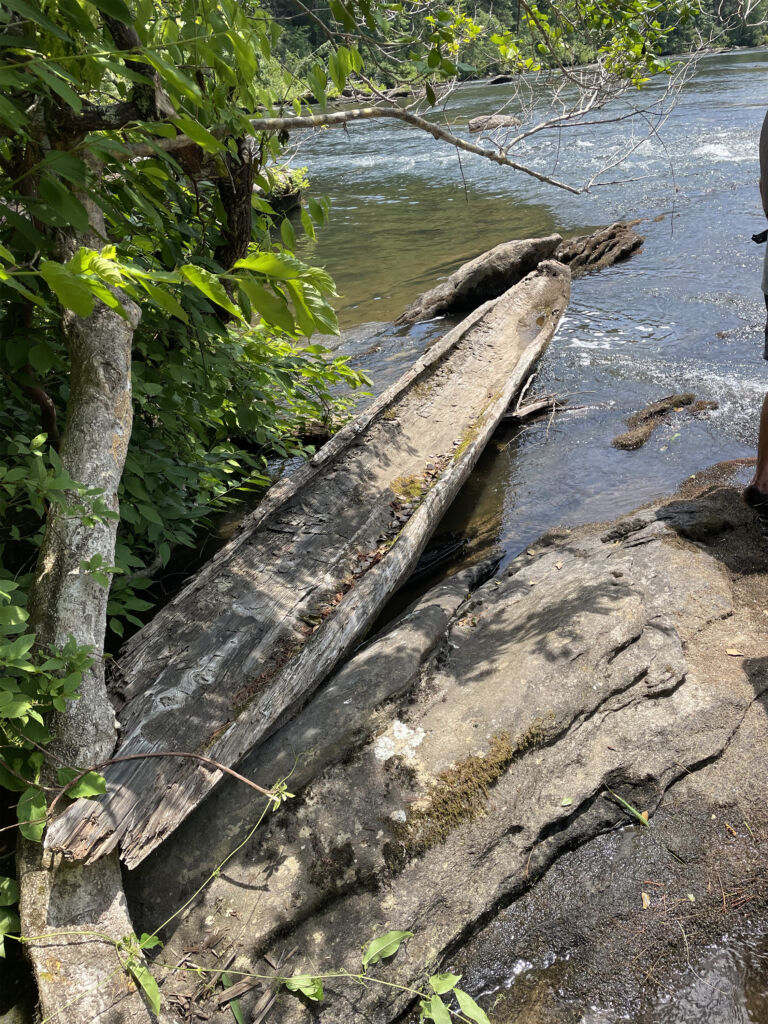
(263, 624)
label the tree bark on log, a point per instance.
(268, 619)
(601, 249)
(485, 277)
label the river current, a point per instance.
(685, 314)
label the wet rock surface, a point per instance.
(626, 657)
(663, 925)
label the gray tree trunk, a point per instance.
(77, 969)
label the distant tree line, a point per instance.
(714, 24)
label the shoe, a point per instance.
(756, 499)
(758, 502)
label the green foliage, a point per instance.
(432, 1006)
(78, 785)
(442, 983)
(384, 946)
(34, 683)
(222, 376)
(9, 919)
(633, 811)
(309, 986)
(436, 1009)
(469, 1007)
(432, 41)
(130, 951)
(234, 1004)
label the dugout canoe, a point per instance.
(262, 625)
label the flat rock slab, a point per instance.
(598, 662)
(666, 923)
(266, 621)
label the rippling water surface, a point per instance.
(686, 314)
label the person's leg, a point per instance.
(760, 479)
(756, 493)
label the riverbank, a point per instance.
(619, 661)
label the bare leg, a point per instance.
(756, 493)
(760, 479)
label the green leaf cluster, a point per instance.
(434, 1005)
(224, 375)
(130, 950)
(439, 1009)
(224, 372)
(9, 918)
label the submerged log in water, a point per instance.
(265, 622)
(493, 272)
(601, 249)
(482, 278)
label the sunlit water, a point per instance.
(686, 314)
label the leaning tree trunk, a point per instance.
(80, 971)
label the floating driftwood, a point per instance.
(264, 623)
(643, 423)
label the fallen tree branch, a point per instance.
(339, 117)
(546, 403)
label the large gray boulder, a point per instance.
(450, 767)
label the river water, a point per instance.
(685, 314)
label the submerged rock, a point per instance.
(621, 658)
(492, 122)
